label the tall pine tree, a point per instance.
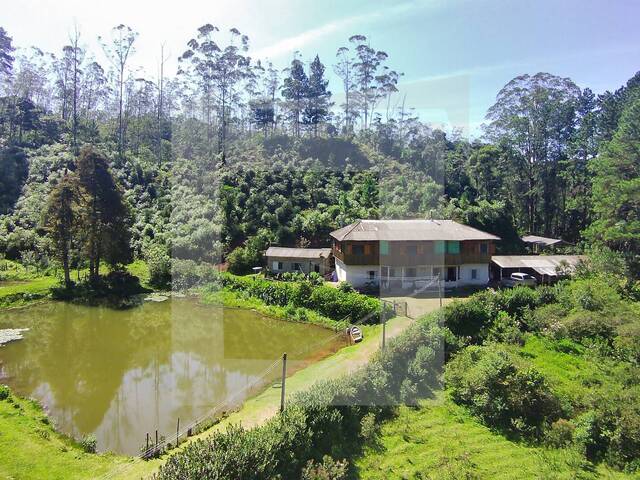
(316, 110)
(295, 91)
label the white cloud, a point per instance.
(289, 45)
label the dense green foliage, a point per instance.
(505, 394)
(328, 301)
(233, 149)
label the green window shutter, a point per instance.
(384, 247)
(439, 246)
(453, 247)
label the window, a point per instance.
(277, 265)
(384, 247)
(474, 274)
(297, 267)
(372, 274)
(484, 248)
(410, 272)
(439, 246)
(412, 250)
(357, 249)
(453, 247)
(437, 271)
(451, 274)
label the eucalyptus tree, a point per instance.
(219, 72)
(367, 64)
(345, 70)
(118, 51)
(533, 118)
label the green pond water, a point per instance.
(118, 374)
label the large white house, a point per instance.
(403, 254)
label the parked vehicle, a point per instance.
(519, 278)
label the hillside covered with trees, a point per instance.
(230, 154)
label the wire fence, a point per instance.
(159, 444)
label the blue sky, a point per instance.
(455, 54)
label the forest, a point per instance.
(231, 154)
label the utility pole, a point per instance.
(384, 329)
(284, 378)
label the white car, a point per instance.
(520, 279)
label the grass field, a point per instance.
(439, 440)
(31, 449)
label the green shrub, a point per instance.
(159, 264)
(89, 444)
(467, 319)
(610, 429)
(4, 392)
(627, 342)
(345, 287)
(329, 469)
(503, 393)
(560, 434)
(592, 294)
(505, 329)
(516, 301)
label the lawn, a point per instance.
(440, 440)
(31, 449)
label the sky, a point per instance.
(455, 54)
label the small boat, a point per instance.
(356, 334)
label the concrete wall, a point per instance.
(358, 275)
(466, 274)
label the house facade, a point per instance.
(405, 254)
(304, 260)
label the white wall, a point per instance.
(356, 275)
(482, 277)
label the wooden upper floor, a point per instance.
(403, 253)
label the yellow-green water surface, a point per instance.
(120, 374)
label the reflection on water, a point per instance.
(119, 374)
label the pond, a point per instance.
(120, 374)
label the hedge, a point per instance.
(327, 301)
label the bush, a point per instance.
(505, 329)
(503, 393)
(345, 287)
(159, 264)
(560, 434)
(89, 444)
(4, 392)
(329, 469)
(610, 429)
(468, 319)
(592, 294)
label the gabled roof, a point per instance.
(288, 252)
(546, 241)
(543, 264)
(409, 230)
